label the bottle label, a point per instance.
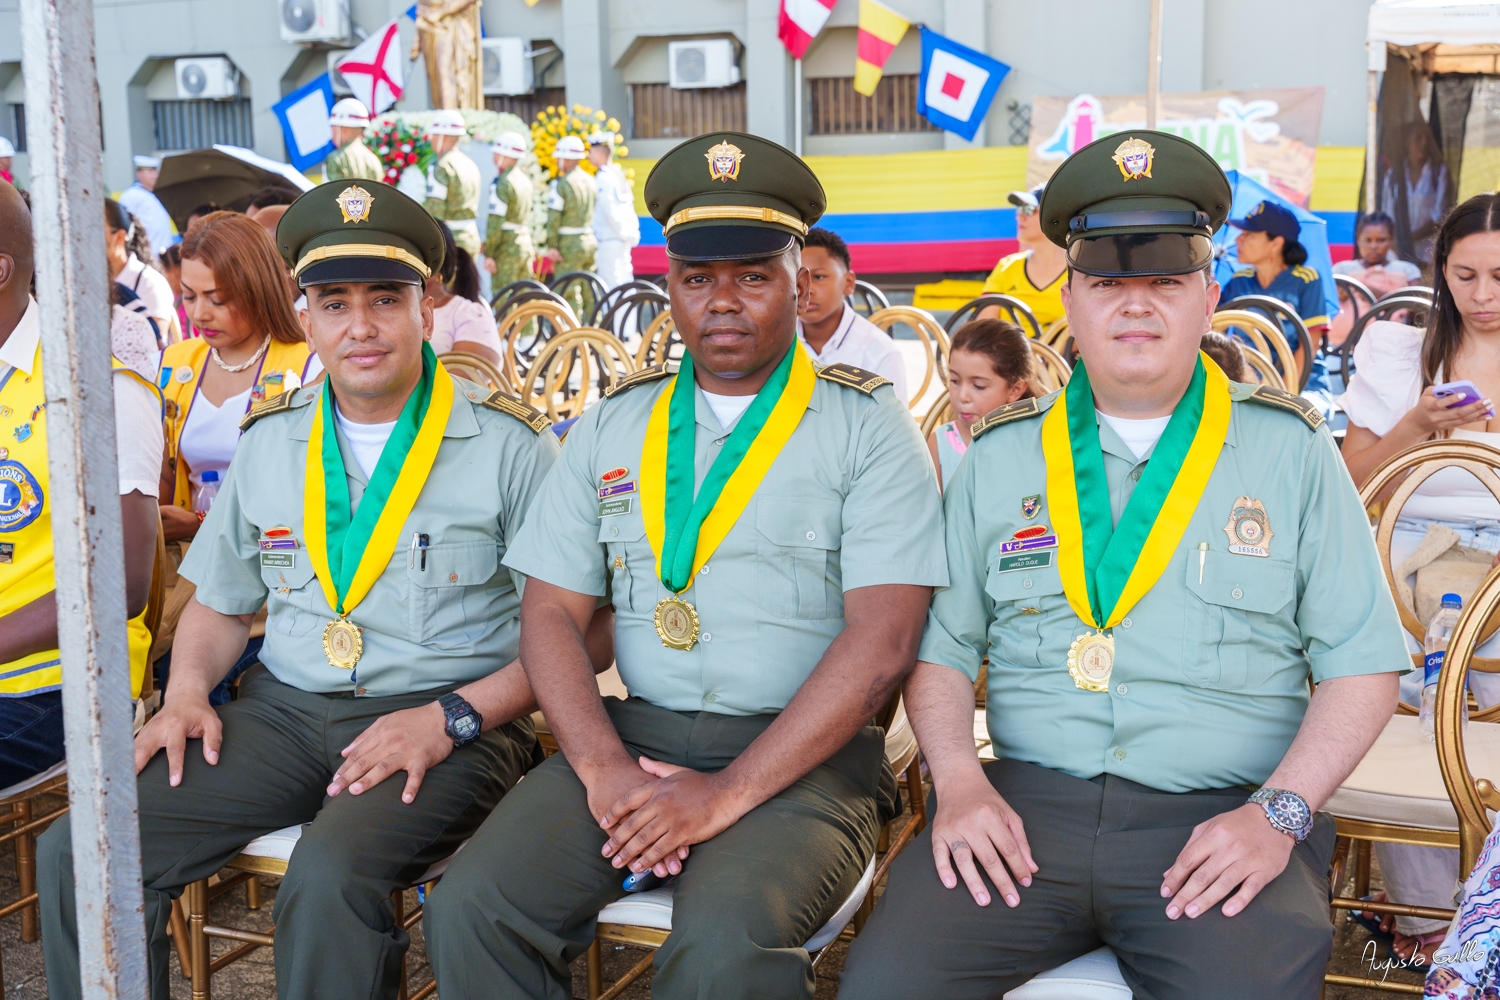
(1433, 665)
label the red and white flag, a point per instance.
(374, 70)
(800, 22)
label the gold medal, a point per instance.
(676, 623)
(343, 643)
(1091, 659)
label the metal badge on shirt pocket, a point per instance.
(278, 548)
(1249, 529)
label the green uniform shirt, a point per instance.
(509, 224)
(570, 207)
(452, 622)
(850, 502)
(354, 162)
(453, 197)
(1210, 677)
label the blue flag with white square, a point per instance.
(958, 84)
(304, 123)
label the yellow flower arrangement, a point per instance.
(559, 120)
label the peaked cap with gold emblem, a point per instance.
(732, 196)
(359, 231)
(1136, 203)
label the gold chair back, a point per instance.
(1051, 367)
(1263, 368)
(939, 413)
(561, 380)
(558, 314)
(656, 343)
(1055, 335)
(1265, 336)
(934, 343)
(475, 369)
(1473, 797)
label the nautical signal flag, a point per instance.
(957, 84)
(303, 115)
(880, 31)
(799, 23)
(375, 68)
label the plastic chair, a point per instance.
(1410, 291)
(1263, 368)
(1264, 335)
(475, 369)
(1280, 313)
(867, 299)
(560, 379)
(1356, 290)
(1383, 310)
(939, 413)
(582, 290)
(1020, 313)
(657, 342)
(934, 339)
(630, 315)
(545, 319)
(1052, 368)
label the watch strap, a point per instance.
(1286, 811)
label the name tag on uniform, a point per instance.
(7, 552)
(278, 559)
(1025, 560)
(616, 489)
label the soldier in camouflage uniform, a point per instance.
(570, 218)
(453, 181)
(353, 160)
(507, 243)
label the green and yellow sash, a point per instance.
(1107, 569)
(684, 531)
(349, 553)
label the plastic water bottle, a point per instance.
(210, 489)
(1435, 648)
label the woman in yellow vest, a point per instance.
(31, 728)
(249, 348)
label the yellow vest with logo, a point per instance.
(182, 367)
(26, 529)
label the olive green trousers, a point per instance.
(336, 934)
(520, 903)
(1102, 847)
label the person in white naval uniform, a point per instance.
(141, 203)
(616, 226)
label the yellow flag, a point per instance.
(880, 31)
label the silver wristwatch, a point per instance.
(1286, 811)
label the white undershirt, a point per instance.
(1140, 436)
(728, 408)
(211, 434)
(367, 441)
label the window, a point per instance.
(18, 119)
(838, 109)
(199, 124)
(659, 112)
(526, 106)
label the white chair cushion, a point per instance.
(1399, 780)
(653, 909)
(900, 738)
(1095, 976)
(982, 735)
(278, 846)
(56, 770)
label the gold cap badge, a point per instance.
(1133, 157)
(724, 162)
(355, 202)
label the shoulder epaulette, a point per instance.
(511, 406)
(1304, 272)
(1245, 272)
(641, 377)
(277, 403)
(1021, 409)
(855, 378)
(1281, 399)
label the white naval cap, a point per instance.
(599, 137)
(447, 122)
(6, 149)
(349, 113)
(146, 163)
(569, 147)
(509, 144)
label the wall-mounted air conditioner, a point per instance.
(705, 63)
(307, 21)
(210, 77)
(507, 66)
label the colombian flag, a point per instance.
(880, 30)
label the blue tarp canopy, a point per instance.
(1314, 235)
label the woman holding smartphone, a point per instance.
(1401, 395)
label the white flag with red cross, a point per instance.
(374, 70)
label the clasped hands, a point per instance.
(654, 812)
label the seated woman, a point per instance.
(249, 348)
(989, 364)
(1376, 266)
(460, 320)
(1391, 407)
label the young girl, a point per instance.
(989, 364)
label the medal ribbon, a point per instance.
(684, 531)
(1107, 569)
(349, 553)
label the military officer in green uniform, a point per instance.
(768, 533)
(570, 218)
(352, 160)
(508, 253)
(1156, 561)
(453, 180)
(368, 514)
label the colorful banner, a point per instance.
(1270, 136)
(880, 31)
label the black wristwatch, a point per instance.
(464, 723)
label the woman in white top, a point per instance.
(126, 247)
(1391, 407)
(460, 319)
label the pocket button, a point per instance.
(1027, 583)
(1236, 593)
(1125, 623)
(1119, 753)
(812, 536)
(614, 531)
(1122, 690)
(708, 637)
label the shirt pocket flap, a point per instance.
(456, 564)
(803, 524)
(621, 529)
(1023, 584)
(1245, 583)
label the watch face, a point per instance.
(465, 728)
(1290, 812)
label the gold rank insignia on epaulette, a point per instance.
(1304, 272)
(1021, 409)
(641, 377)
(1281, 399)
(277, 403)
(855, 378)
(511, 406)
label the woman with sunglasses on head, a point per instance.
(1035, 273)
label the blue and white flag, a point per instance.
(304, 123)
(958, 84)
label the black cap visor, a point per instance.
(358, 269)
(702, 243)
(1140, 254)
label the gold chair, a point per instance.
(1055, 335)
(476, 369)
(1265, 336)
(656, 343)
(1474, 798)
(939, 413)
(1261, 366)
(556, 314)
(1052, 368)
(560, 381)
(934, 342)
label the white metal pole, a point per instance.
(1372, 129)
(1153, 65)
(67, 189)
(797, 105)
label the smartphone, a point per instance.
(1461, 393)
(646, 881)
